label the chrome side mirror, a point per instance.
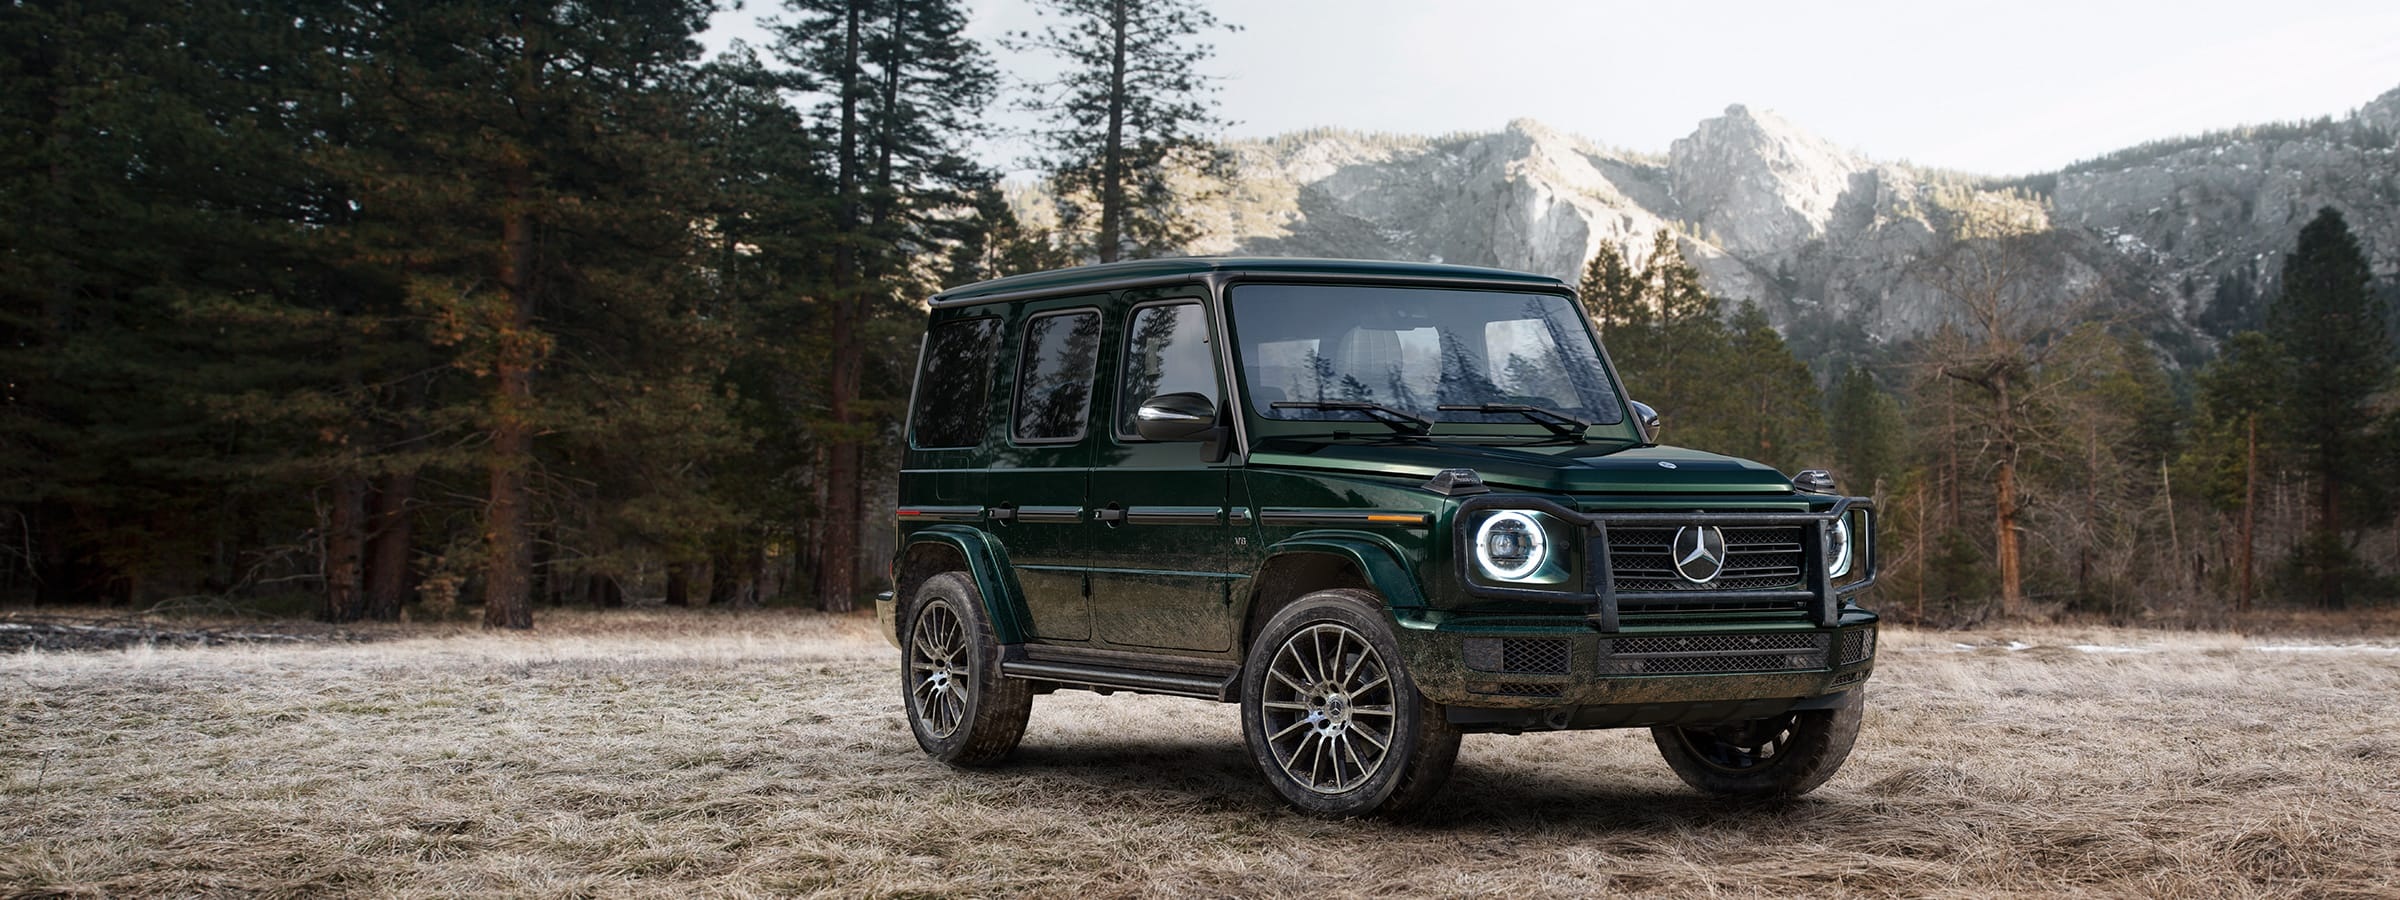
(1184, 416)
(1648, 418)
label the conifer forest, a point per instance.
(367, 310)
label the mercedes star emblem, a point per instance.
(1699, 553)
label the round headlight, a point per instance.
(1837, 548)
(1510, 546)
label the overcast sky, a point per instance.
(1993, 87)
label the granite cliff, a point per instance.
(2185, 234)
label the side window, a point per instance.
(1166, 351)
(1054, 376)
(956, 377)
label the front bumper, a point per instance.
(1520, 673)
(1605, 604)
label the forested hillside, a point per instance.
(472, 307)
(347, 308)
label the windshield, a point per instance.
(1415, 350)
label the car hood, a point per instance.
(1564, 468)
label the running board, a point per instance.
(1109, 678)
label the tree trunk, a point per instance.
(1951, 506)
(391, 535)
(720, 580)
(2091, 514)
(2329, 526)
(2004, 508)
(345, 550)
(837, 578)
(1112, 154)
(2241, 594)
(53, 563)
(2005, 553)
(1923, 551)
(750, 596)
(679, 584)
(508, 544)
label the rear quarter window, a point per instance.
(954, 382)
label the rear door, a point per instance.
(1161, 550)
(1036, 481)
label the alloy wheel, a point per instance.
(939, 678)
(1328, 708)
(1745, 746)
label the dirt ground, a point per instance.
(764, 755)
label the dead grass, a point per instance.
(739, 755)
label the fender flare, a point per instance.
(1376, 557)
(987, 563)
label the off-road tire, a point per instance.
(1807, 747)
(1352, 628)
(946, 637)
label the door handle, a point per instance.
(1110, 514)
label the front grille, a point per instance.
(1712, 653)
(1858, 645)
(1530, 656)
(1757, 558)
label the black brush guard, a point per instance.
(1823, 597)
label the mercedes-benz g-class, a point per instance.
(1376, 505)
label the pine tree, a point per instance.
(905, 89)
(993, 243)
(529, 185)
(1780, 411)
(1867, 432)
(1614, 294)
(154, 192)
(1130, 109)
(2331, 328)
(1991, 272)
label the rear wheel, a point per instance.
(1771, 758)
(1331, 717)
(961, 709)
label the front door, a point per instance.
(1036, 483)
(1159, 539)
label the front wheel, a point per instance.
(1772, 758)
(1331, 717)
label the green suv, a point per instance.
(1377, 505)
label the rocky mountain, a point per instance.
(2186, 234)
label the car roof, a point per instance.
(1129, 273)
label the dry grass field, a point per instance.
(759, 754)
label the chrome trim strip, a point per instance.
(922, 513)
(1174, 515)
(1055, 515)
(1288, 516)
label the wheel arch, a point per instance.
(1322, 560)
(948, 548)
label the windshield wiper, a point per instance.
(1559, 423)
(1398, 421)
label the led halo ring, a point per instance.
(1537, 550)
(1837, 551)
